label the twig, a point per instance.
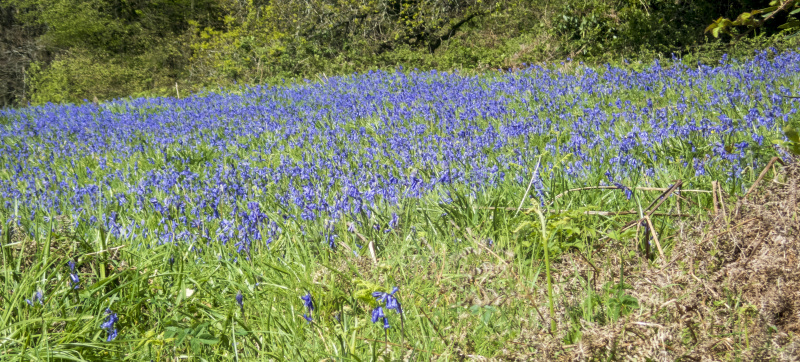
(654, 205)
(764, 173)
(434, 327)
(536, 308)
(611, 213)
(596, 271)
(727, 230)
(657, 202)
(646, 246)
(655, 236)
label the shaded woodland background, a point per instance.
(77, 50)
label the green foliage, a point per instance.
(783, 11)
(792, 144)
(111, 48)
(83, 76)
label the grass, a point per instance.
(477, 275)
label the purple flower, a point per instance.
(108, 325)
(389, 299)
(240, 300)
(628, 192)
(74, 280)
(390, 302)
(308, 302)
(378, 314)
(37, 297)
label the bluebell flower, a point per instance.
(37, 297)
(378, 314)
(74, 280)
(307, 318)
(389, 300)
(109, 325)
(308, 302)
(240, 299)
(628, 192)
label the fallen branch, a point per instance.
(763, 173)
(654, 205)
(657, 202)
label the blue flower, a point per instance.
(109, 323)
(378, 314)
(628, 192)
(74, 280)
(37, 297)
(308, 302)
(307, 318)
(389, 299)
(240, 299)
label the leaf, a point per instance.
(364, 292)
(207, 339)
(790, 25)
(712, 26)
(792, 134)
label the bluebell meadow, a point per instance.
(340, 166)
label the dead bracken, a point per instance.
(730, 289)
